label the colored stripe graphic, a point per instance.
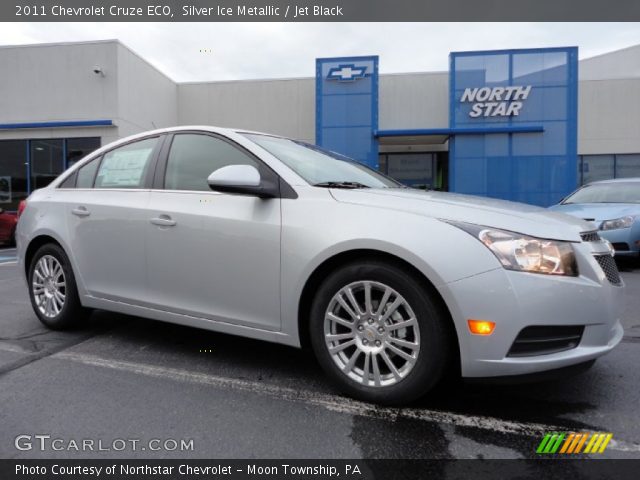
(572, 442)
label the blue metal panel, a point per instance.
(81, 123)
(459, 131)
(347, 106)
(533, 165)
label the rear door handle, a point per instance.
(81, 212)
(163, 221)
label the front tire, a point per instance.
(379, 333)
(52, 289)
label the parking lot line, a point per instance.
(330, 402)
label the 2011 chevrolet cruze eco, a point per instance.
(271, 238)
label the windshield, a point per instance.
(606, 193)
(321, 167)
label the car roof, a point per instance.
(617, 180)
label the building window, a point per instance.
(592, 168)
(78, 148)
(26, 165)
(417, 170)
(13, 173)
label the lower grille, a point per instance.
(609, 267)
(590, 236)
(545, 339)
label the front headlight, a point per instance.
(523, 253)
(622, 222)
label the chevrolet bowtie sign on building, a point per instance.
(346, 73)
(347, 107)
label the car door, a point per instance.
(212, 255)
(107, 219)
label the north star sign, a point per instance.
(496, 101)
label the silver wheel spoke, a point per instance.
(403, 343)
(347, 308)
(376, 371)
(352, 361)
(390, 364)
(342, 346)
(392, 308)
(365, 368)
(404, 324)
(354, 302)
(401, 353)
(338, 337)
(385, 299)
(341, 321)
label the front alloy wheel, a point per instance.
(372, 333)
(380, 332)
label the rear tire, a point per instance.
(382, 315)
(52, 289)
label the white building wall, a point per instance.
(609, 116)
(283, 107)
(147, 99)
(414, 100)
(43, 83)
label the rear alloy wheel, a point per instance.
(52, 289)
(378, 333)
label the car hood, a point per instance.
(598, 211)
(516, 217)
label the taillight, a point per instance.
(21, 206)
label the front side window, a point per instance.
(193, 157)
(125, 167)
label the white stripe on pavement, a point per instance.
(334, 403)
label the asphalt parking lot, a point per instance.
(128, 378)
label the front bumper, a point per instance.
(626, 241)
(515, 300)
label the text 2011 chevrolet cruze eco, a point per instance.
(271, 238)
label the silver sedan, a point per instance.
(275, 239)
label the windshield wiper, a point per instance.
(341, 185)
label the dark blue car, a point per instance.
(614, 206)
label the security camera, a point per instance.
(97, 69)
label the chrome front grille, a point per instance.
(609, 267)
(590, 236)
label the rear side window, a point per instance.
(125, 167)
(194, 157)
(87, 173)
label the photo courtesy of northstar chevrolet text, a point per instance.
(296, 240)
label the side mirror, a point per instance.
(241, 179)
(1, 210)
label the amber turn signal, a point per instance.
(481, 327)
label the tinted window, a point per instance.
(125, 167)
(317, 165)
(78, 148)
(194, 157)
(617, 192)
(87, 173)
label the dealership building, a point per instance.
(526, 125)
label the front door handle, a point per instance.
(81, 212)
(163, 221)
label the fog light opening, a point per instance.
(481, 327)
